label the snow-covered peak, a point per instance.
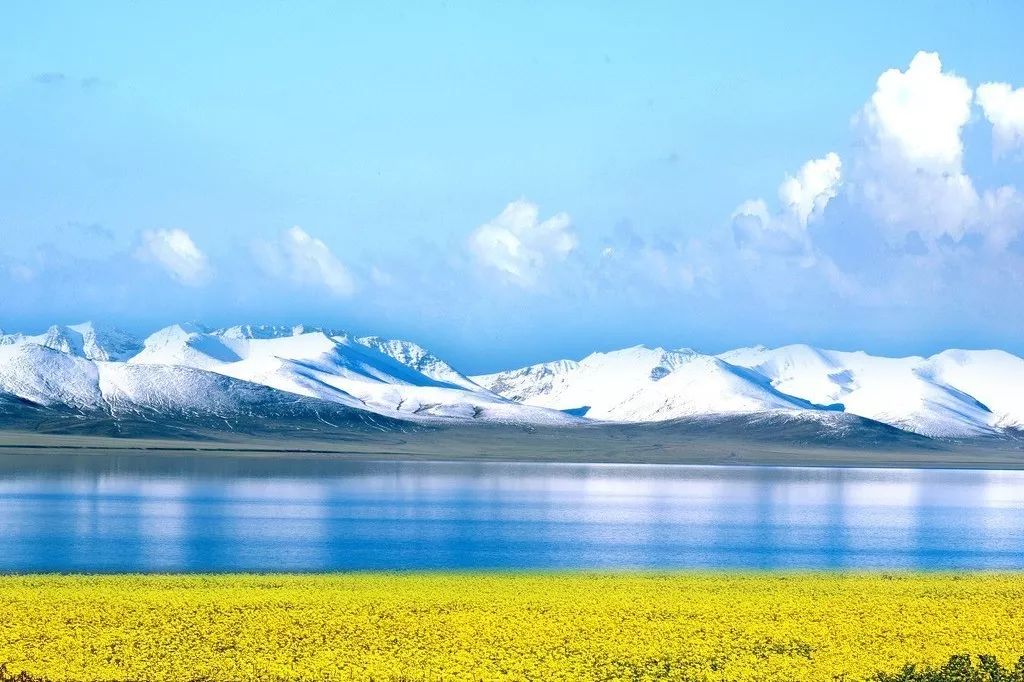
(904, 392)
(172, 332)
(955, 393)
(527, 383)
(258, 331)
(798, 369)
(994, 378)
(106, 343)
(47, 376)
(419, 358)
(272, 331)
(794, 355)
(84, 340)
(655, 363)
(157, 395)
(641, 384)
(187, 345)
(382, 376)
(700, 385)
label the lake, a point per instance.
(90, 513)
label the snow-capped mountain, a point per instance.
(953, 394)
(992, 377)
(642, 384)
(42, 376)
(328, 376)
(84, 340)
(333, 366)
(937, 396)
(419, 358)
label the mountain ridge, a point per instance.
(186, 371)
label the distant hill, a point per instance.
(259, 378)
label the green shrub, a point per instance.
(960, 668)
(7, 676)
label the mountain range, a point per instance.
(238, 377)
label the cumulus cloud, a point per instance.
(911, 174)
(520, 245)
(1004, 109)
(305, 260)
(756, 230)
(906, 179)
(803, 198)
(1000, 217)
(175, 252)
(807, 194)
(917, 115)
(920, 221)
(632, 262)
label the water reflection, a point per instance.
(92, 513)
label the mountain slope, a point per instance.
(34, 375)
(643, 384)
(84, 340)
(419, 358)
(908, 393)
(994, 378)
(187, 374)
(329, 365)
(47, 377)
(529, 383)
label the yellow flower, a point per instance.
(572, 626)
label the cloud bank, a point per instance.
(907, 174)
(1004, 109)
(519, 246)
(803, 198)
(304, 260)
(175, 252)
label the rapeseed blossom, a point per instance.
(455, 626)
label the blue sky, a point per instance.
(516, 182)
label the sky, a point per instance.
(509, 183)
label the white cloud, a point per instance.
(817, 183)
(908, 171)
(803, 197)
(303, 259)
(918, 114)
(176, 253)
(519, 245)
(631, 262)
(756, 229)
(1004, 108)
(1000, 216)
(915, 222)
(911, 173)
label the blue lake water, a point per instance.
(94, 513)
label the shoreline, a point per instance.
(509, 446)
(683, 573)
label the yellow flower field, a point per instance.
(559, 626)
